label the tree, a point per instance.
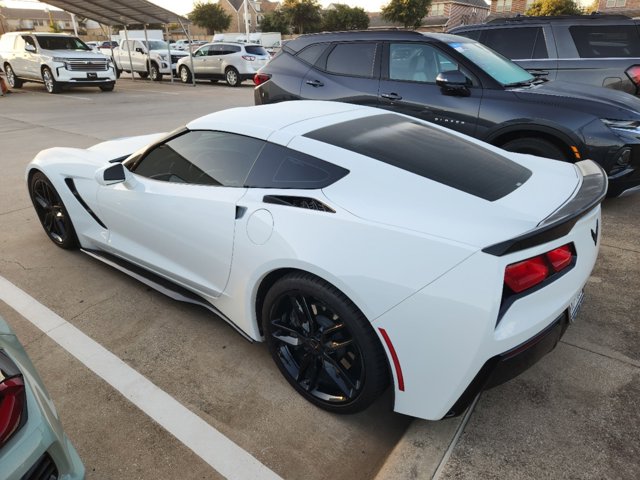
(592, 7)
(343, 17)
(544, 8)
(275, 21)
(407, 12)
(304, 15)
(210, 16)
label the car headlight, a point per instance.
(630, 126)
(61, 60)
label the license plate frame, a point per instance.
(92, 76)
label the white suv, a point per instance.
(53, 59)
(233, 62)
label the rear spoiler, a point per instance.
(590, 194)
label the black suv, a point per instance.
(459, 83)
(601, 50)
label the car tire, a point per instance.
(118, 73)
(232, 77)
(107, 87)
(49, 80)
(185, 74)
(12, 80)
(535, 146)
(51, 212)
(154, 72)
(323, 344)
(143, 75)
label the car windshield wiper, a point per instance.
(526, 83)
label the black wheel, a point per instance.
(154, 73)
(185, 74)
(51, 212)
(323, 345)
(50, 82)
(232, 77)
(143, 74)
(108, 87)
(535, 146)
(118, 72)
(14, 82)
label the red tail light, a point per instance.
(634, 74)
(249, 58)
(524, 275)
(12, 407)
(260, 78)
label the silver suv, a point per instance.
(233, 62)
(55, 60)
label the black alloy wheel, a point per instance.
(51, 212)
(323, 345)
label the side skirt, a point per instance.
(160, 284)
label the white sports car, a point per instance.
(364, 247)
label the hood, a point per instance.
(432, 208)
(74, 54)
(598, 101)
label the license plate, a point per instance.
(574, 306)
(92, 76)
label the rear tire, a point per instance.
(12, 80)
(323, 344)
(535, 146)
(185, 74)
(143, 75)
(50, 82)
(232, 77)
(51, 212)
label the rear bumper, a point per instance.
(508, 365)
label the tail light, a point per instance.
(13, 399)
(260, 78)
(249, 58)
(633, 73)
(533, 271)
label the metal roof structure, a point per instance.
(119, 12)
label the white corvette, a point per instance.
(364, 247)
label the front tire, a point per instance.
(14, 82)
(50, 82)
(154, 73)
(535, 146)
(323, 345)
(185, 74)
(108, 87)
(143, 75)
(51, 212)
(232, 77)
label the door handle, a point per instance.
(314, 83)
(391, 96)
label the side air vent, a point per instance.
(299, 202)
(72, 186)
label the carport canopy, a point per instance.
(119, 12)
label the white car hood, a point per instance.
(435, 209)
(73, 54)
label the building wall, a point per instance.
(613, 6)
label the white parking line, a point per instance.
(222, 454)
(66, 97)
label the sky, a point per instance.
(184, 6)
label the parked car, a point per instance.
(600, 50)
(460, 83)
(32, 442)
(365, 247)
(186, 45)
(57, 60)
(151, 59)
(233, 62)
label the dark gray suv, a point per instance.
(461, 84)
(601, 50)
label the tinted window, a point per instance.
(61, 43)
(473, 34)
(256, 50)
(606, 41)
(428, 152)
(355, 59)
(203, 158)
(418, 62)
(312, 53)
(517, 43)
(281, 167)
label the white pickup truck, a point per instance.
(149, 59)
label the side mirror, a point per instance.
(140, 50)
(453, 82)
(111, 174)
(30, 48)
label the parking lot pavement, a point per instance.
(573, 415)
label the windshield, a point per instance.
(49, 42)
(155, 45)
(501, 69)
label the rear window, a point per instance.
(428, 152)
(606, 41)
(256, 50)
(356, 59)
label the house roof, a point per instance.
(32, 14)
(473, 3)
